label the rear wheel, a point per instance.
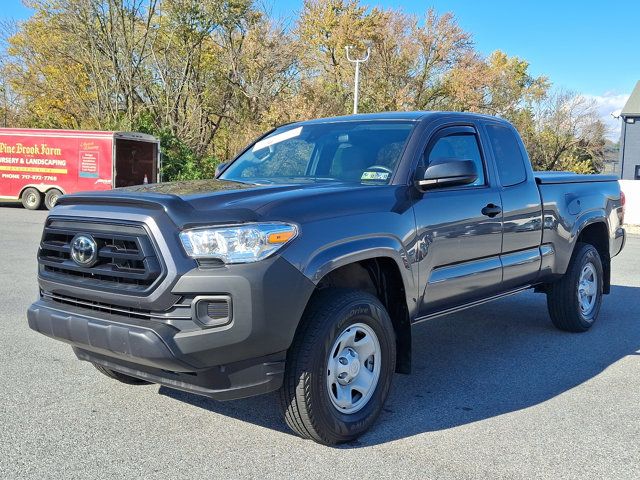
(574, 301)
(51, 198)
(339, 368)
(31, 198)
(121, 377)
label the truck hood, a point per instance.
(206, 202)
(188, 187)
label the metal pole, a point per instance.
(356, 87)
(356, 82)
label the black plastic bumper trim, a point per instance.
(225, 382)
(131, 341)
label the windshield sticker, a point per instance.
(375, 176)
(280, 137)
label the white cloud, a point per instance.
(607, 104)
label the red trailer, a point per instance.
(37, 166)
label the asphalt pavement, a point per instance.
(496, 392)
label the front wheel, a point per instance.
(574, 301)
(339, 368)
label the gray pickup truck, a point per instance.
(304, 265)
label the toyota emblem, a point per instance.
(84, 250)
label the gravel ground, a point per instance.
(496, 392)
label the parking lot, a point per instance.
(496, 392)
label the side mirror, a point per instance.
(220, 168)
(447, 172)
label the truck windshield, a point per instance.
(350, 151)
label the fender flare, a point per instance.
(590, 217)
(335, 255)
(587, 218)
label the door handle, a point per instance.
(491, 210)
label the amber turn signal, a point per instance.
(281, 237)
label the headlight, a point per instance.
(237, 244)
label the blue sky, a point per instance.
(580, 45)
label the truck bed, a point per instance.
(570, 177)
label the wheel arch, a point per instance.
(382, 277)
(596, 233)
(335, 255)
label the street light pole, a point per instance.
(356, 82)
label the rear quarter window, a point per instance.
(507, 154)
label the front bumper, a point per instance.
(243, 358)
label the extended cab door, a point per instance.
(459, 229)
(521, 205)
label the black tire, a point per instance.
(121, 377)
(31, 198)
(563, 299)
(305, 397)
(51, 198)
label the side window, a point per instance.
(462, 146)
(509, 160)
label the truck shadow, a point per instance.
(481, 363)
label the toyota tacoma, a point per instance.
(303, 266)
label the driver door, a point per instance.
(459, 228)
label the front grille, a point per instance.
(127, 260)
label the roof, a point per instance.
(402, 116)
(632, 107)
(406, 116)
